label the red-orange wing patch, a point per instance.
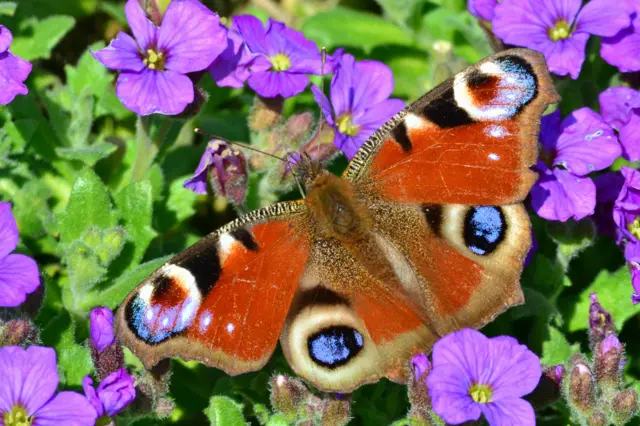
(224, 300)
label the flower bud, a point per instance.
(600, 322)
(152, 388)
(287, 395)
(417, 386)
(18, 333)
(200, 98)
(265, 113)
(297, 127)
(335, 412)
(624, 406)
(106, 352)
(549, 388)
(597, 418)
(608, 361)
(581, 386)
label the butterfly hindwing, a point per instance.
(471, 140)
(222, 301)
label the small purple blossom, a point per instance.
(101, 328)
(632, 254)
(153, 66)
(626, 210)
(620, 107)
(570, 150)
(482, 9)
(232, 67)
(13, 70)
(114, 393)
(19, 274)
(360, 101)
(285, 59)
(29, 378)
(623, 49)
(421, 365)
(474, 375)
(227, 168)
(557, 28)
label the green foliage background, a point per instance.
(99, 200)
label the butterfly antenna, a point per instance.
(250, 148)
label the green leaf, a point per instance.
(35, 39)
(115, 291)
(88, 205)
(90, 154)
(89, 75)
(365, 30)
(536, 305)
(557, 350)
(572, 238)
(135, 205)
(410, 68)
(7, 8)
(74, 359)
(400, 10)
(278, 419)
(614, 293)
(223, 411)
(181, 200)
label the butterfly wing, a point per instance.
(222, 301)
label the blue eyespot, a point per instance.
(335, 346)
(484, 229)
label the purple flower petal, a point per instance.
(559, 195)
(630, 139)
(519, 24)
(282, 39)
(550, 129)
(270, 84)
(483, 9)
(147, 92)
(5, 38)
(586, 143)
(101, 328)
(514, 411)
(608, 186)
(348, 144)
(599, 18)
(566, 56)
(617, 105)
(66, 408)
(514, 371)
(378, 114)
(627, 206)
(13, 72)
(29, 377)
(192, 36)
(92, 395)
(322, 100)
(19, 276)
(623, 49)
(421, 365)
(453, 407)
(8, 230)
(198, 183)
(116, 391)
(252, 31)
(231, 68)
(122, 53)
(143, 30)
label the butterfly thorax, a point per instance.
(336, 210)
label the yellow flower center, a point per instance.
(634, 227)
(561, 30)
(480, 393)
(17, 417)
(346, 126)
(154, 60)
(280, 62)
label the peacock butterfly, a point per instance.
(425, 233)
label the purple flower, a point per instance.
(154, 65)
(19, 274)
(359, 101)
(28, 382)
(608, 186)
(571, 149)
(114, 393)
(228, 168)
(474, 375)
(626, 210)
(231, 68)
(101, 328)
(482, 9)
(286, 57)
(557, 28)
(620, 107)
(623, 49)
(632, 254)
(13, 69)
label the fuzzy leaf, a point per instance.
(74, 359)
(40, 37)
(557, 350)
(90, 154)
(223, 411)
(614, 293)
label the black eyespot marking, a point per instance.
(433, 215)
(400, 135)
(246, 238)
(204, 264)
(477, 79)
(444, 111)
(335, 346)
(484, 229)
